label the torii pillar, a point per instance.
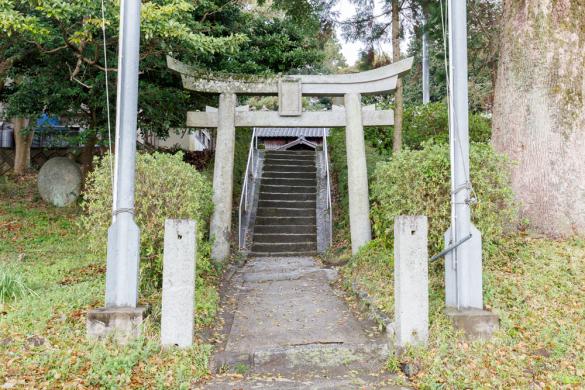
(223, 182)
(357, 173)
(290, 90)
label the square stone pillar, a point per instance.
(411, 280)
(357, 174)
(178, 292)
(223, 176)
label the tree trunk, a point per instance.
(398, 98)
(539, 111)
(86, 157)
(23, 142)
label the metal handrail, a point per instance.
(244, 196)
(329, 203)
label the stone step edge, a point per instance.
(284, 234)
(281, 226)
(290, 201)
(283, 254)
(284, 243)
(287, 275)
(283, 175)
(286, 208)
(314, 356)
(287, 186)
(272, 164)
(288, 193)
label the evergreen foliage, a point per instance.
(338, 157)
(427, 122)
(417, 182)
(52, 53)
(166, 187)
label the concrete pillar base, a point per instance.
(477, 324)
(121, 323)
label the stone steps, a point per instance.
(288, 196)
(286, 220)
(285, 212)
(283, 254)
(292, 175)
(283, 237)
(282, 188)
(293, 203)
(286, 223)
(279, 247)
(332, 358)
(290, 166)
(289, 181)
(285, 229)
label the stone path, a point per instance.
(287, 328)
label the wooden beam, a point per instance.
(308, 119)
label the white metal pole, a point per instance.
(123, 235)
(426, 83)
(463, 269)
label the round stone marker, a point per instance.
(59, 181)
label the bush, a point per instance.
(338, 157)
(430, 122)
(418, 183)
(166, 187)
(427, 122)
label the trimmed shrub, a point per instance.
(338, 157)
(166, 187)
(427, 122)
(417, 182)
(430, 122)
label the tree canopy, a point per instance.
(53, 54)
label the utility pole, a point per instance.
(463, 264)
(120, 315)
(426, 82)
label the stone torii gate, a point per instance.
(290, 90)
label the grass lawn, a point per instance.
(536, 285)
(55, 279)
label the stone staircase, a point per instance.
(286, 215)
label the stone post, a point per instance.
(411, 280)
(223, 177)
(178, 291)
(357, 183)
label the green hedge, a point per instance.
(417, 182)
(338, 158)
(166, 187)
(427, 122)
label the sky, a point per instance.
(351, 50)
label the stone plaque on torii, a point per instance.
(290, 90)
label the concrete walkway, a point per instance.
(287, 328)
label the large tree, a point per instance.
(54, 55)
(483, 26)
(539, 112)
(373, 26)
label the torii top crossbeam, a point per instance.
(378, 81)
